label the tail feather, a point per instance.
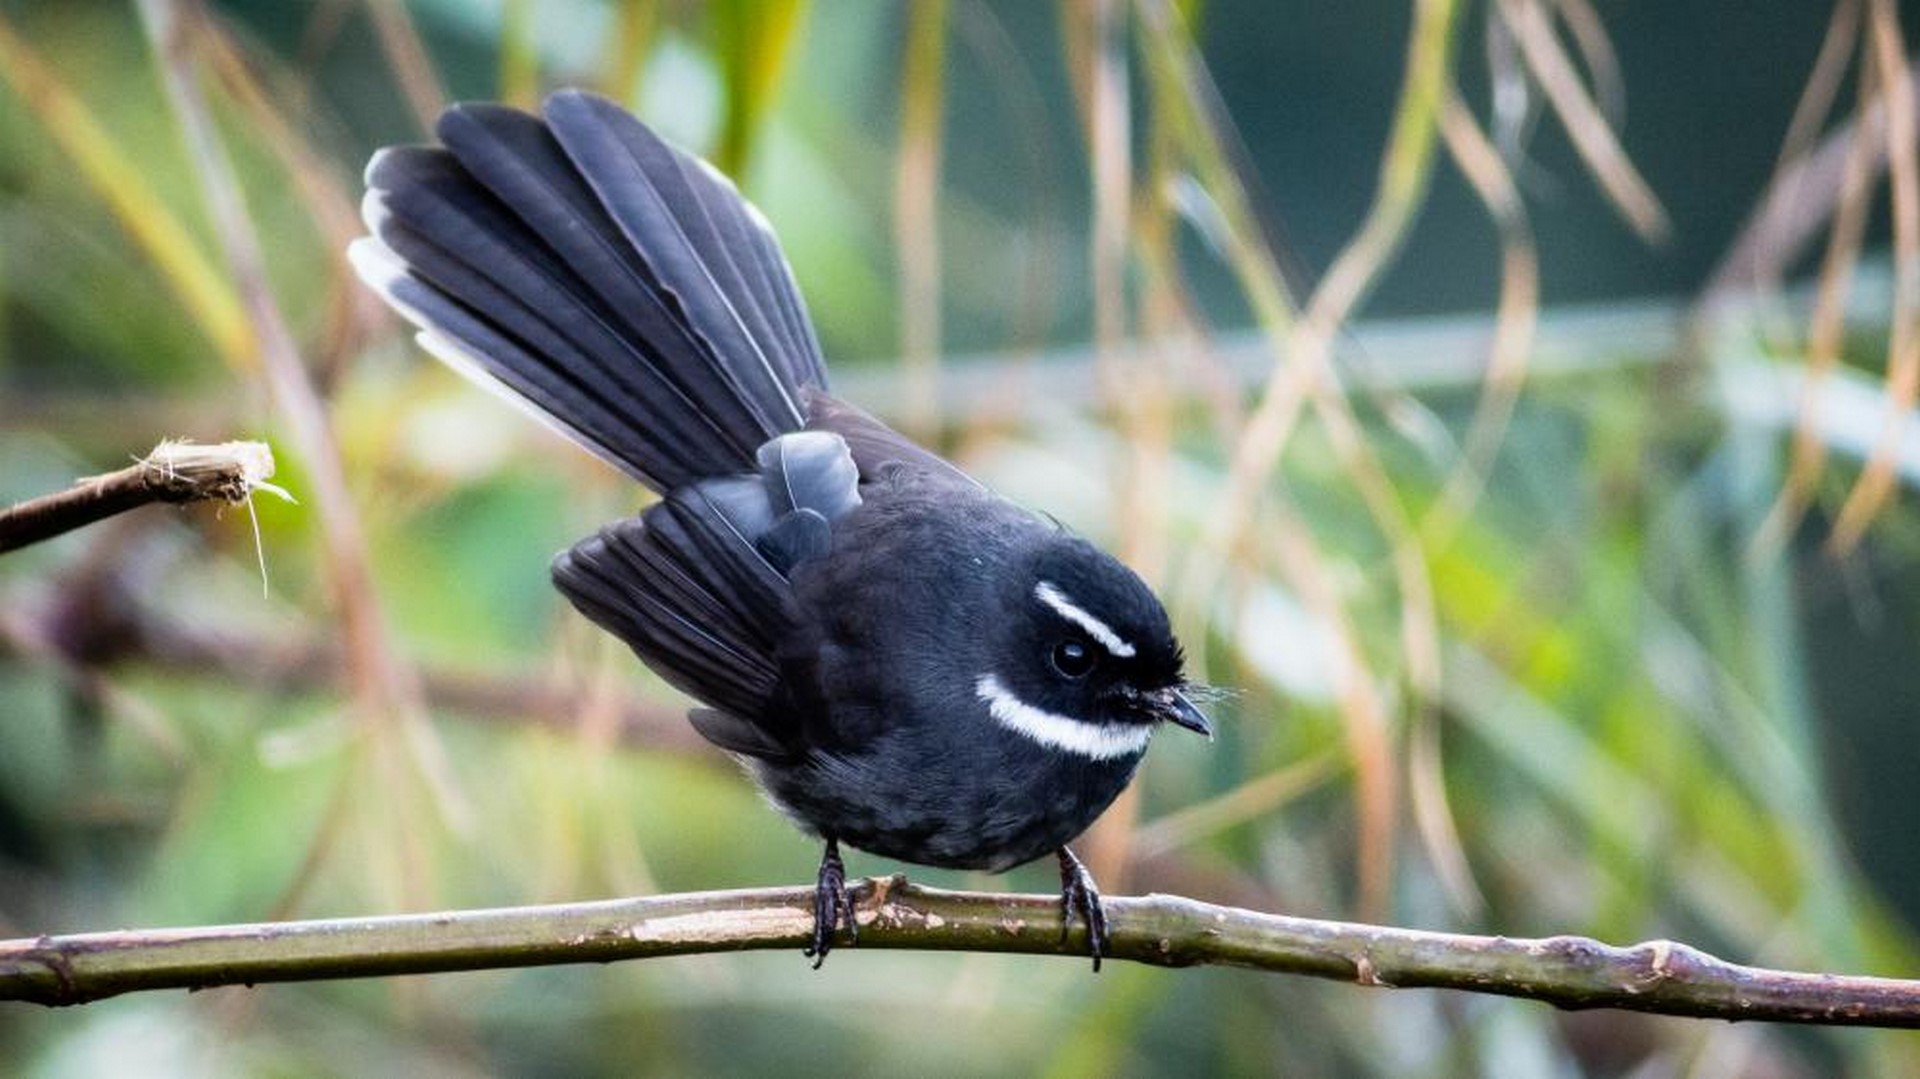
(469, 261)
(641, 182)
(482, 349)
(683, 196)
(676, 616)
(611, 280)
(723, 537)
(687, 589)
(516, 158)
(748, 240)
(697, 585)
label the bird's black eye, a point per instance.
(1072, 659)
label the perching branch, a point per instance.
(1568, 972)
(173, 472)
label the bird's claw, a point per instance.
(1079, 896)
(832, 906)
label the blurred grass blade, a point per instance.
(916, 210)
(1096, 35)
(1596, 142)
(1433, 816)
(635, 23)
(1170, 318)
(1875, 485)
(287, 129)
(1187, 112)
(1514, 107)
(1596, 49)
(408, 59)
(1550, 749)
(1406, 167)
(387, 692)
(1010, 75)
(519, 56)
(1136, 393)
(1106, 121)
(1806, 183)
(1173, 331)
(1187, 104)
(1302, 365)
(1810, 113)
(1367, 723)
(752, 41)
(1827, 334)
(1515, 319)
(208, 295)
(1251, 800)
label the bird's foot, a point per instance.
(832, 906)
(1080, 897)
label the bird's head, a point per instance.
(1085, 660)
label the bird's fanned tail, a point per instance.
(628, 294)
(616, 284)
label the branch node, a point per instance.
(1660, 956)
(1363, 972)
(47, 953)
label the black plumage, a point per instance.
(902, 660)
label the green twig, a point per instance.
(1170, 931)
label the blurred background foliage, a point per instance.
(1514, 399)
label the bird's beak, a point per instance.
(1175, 708)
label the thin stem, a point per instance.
(386, 691)
(916, 210)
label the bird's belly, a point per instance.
(991, 818)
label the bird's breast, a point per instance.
(988, 801)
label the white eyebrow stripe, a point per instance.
(1046, 593)
(1091, 740)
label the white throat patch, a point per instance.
(1046, 593)
(1095, 741)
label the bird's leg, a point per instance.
(1079, 896)
(832, 907)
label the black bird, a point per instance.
(901, 659)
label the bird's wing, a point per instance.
(698, 586)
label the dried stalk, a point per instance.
(174, 472)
